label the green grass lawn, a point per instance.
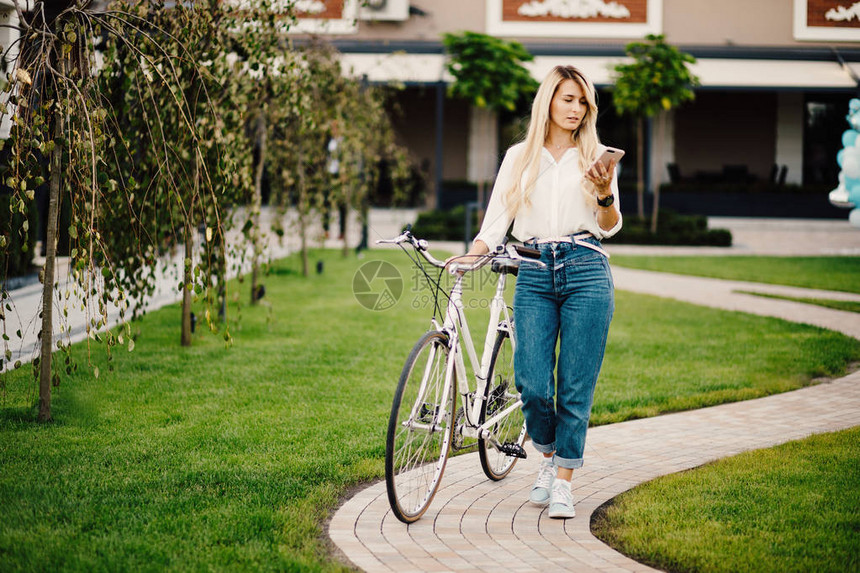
(826, 273)
(207, 458)
(789, 508)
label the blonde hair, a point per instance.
(527, 165)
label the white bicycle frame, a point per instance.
(457, 328)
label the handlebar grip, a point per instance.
(527, 252)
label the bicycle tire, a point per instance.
(417, 447)
(498, 395)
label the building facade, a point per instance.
(776, 76)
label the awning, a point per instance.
(712, 72)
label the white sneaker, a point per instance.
(561, 502)
(539, 494)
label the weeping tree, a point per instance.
(255, 39)
(299, 122)
(655, 82)
(66, 131)
(489, 75)
(209, 167)
(369, 143)
(313, 95)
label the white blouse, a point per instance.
(558, 205)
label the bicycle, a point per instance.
(425, 423)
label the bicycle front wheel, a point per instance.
(501, 393)
(419, 429)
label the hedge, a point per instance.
(674, 229)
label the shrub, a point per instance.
(673, 229)
(744, 188)
(449, 225)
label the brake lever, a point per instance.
(521, 253)
(527, 252)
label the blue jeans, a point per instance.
(571, 302)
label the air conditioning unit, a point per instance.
(384, 10)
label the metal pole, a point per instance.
(440, 131)
(470, 208)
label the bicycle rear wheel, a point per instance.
(499, 395)
(419, 429)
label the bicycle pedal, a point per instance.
(514, 450)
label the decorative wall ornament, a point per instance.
(312, 7)
(574, 9)
(574, 18)
(827, 20)
(843, 14)
(325, 16)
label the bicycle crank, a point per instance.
(458, 440)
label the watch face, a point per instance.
(606, 201)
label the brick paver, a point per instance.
(478, 525)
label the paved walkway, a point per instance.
(478, 525)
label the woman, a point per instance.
(562, 202)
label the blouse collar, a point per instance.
(570, 151)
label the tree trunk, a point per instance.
(640, 167)
(187, 285)
(257, 205)
(661, 131)
(304, 239)
(344, 250)
(187, 281)
(48, 274)
(346, 201)
(222, 280)
(303, 209)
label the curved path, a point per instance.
(478, 525)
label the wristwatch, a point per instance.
(606, 201)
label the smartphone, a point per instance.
(609, 154)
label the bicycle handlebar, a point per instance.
(514, 253)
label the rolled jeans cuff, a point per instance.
(567, 463)
(544, 449)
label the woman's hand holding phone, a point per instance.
(601, 172)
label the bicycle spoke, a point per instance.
(419, 432)
(501, 394)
